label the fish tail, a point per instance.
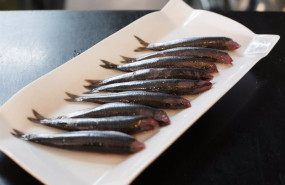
(38, 117)
(108, 65)
(21, 135)
(138, 49)
(35, 120)
(72, 97)
(89, 87)
(93, 84)
(127, 59)
(143, 43)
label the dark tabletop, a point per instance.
(240, 140)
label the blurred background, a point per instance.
(238, 5)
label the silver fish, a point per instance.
(119, 109)
(168, 62)
(154, 99)
(223, 43)
(153, 73)
(128, 124)
(209, 53)
(170, 86)
(98, 141)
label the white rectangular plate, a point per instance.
(46, 95)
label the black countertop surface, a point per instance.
(240, 140)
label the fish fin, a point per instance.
(20, 134)
(127, 59)
(72, 97)
(143, 43)
(108, 65)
